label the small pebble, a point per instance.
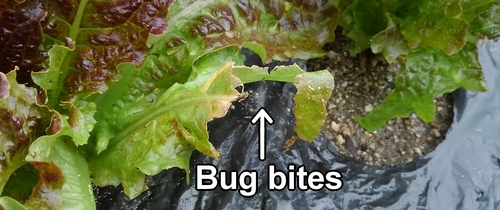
(346, 131)
(332, 54)
(340, 140)
(344, 84)
(389, 78)
(335, 126)
(430, 140)
(368, 108)
(435, 133)
(417, 150)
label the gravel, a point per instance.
(361, 84)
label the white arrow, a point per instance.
(262, 116)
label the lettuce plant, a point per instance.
(107, 92)
(435, 41)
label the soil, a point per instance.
(361, 84)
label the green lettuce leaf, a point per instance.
(59, 174)
(390, 42)
(21, 116)
(11, 204)
(430, 23)
(196, 28)
(394, 27)
(138, 89)
(99, 35)
(427, 73)
(47, 192)
(165, 133)
(58, 154)
(360, 20)
(483, 17)
(274, 29)
(427, 37)
(314, 89)
(412, 25)
(50, 79)
(80, 120)
(256, 73)
(157, 132)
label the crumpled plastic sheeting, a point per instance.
(462, 173)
